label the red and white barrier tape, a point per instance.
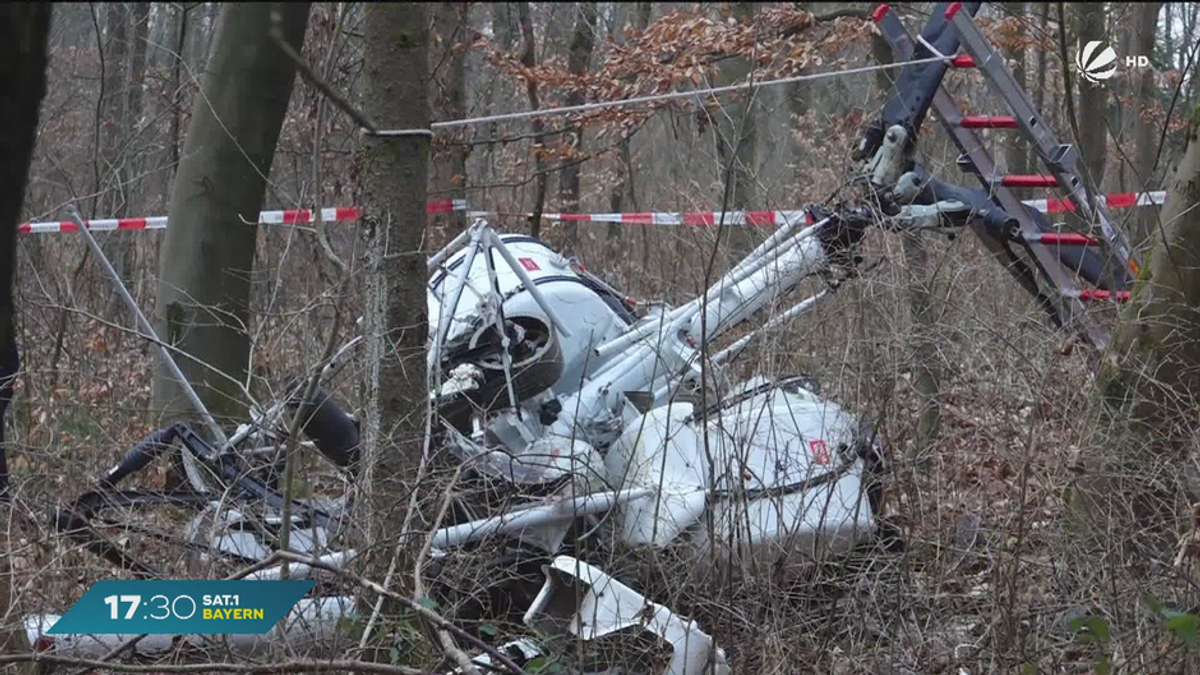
(700, 218)
(766, 218)
(1120, 200)
(337, 214)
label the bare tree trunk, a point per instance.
(1147, 139)
(1016, 150)
(23, 58)
(448, 171)
(1039, 92)
(503, 32)
(112, 170)
(115, 63)
(1149, 385)
(737, 137)
(531, 89)
(395, 179)
(1118, 116)
(1093, 99)
(134, 105)
(579, 59)
(176, 85)
(125, 65)
(208, 252)
(625, 181)
(126, 243)
(799, 104)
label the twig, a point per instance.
(460, 657)
(315, 80)
(303, 410)
(157, 342)
(411, 604)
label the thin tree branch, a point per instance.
(459, 656)
(315, 80)
(420, 609)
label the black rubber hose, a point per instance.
(335, 433)
(142, 454)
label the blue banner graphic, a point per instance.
(193, 606)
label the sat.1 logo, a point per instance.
(1096, 64)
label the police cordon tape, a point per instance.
(337, 214)
(341, 214)
(767, 218)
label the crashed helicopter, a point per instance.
(550, 388)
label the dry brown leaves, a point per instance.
(684, 49)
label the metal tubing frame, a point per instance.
(496, 243)
(796, 310)
(446, 314)
(535, 516)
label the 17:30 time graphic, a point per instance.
(159, 607)
(165, 606)
(181, 606)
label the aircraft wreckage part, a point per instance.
(788, 474)
(770, 251)
(310, 623)
(537, 366)
(235, 536)
(771, 278)
(441, 327)
(732, 351)
(543, 461)
(610, 609)
(520, 651)
(335, 433)
(518, 267)
(792, 475)
(661, 452)
(534, 517)
(596, 313)
(595, 412)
